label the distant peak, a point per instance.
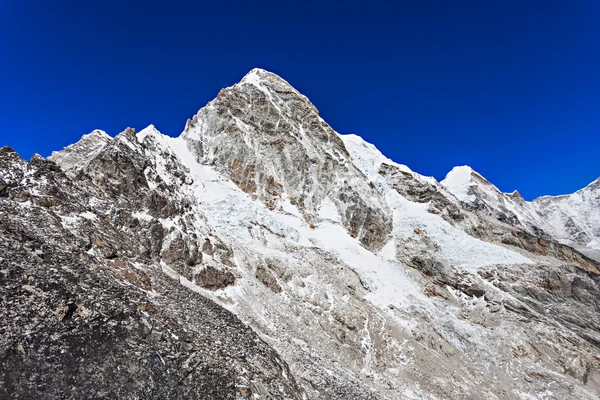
(463, 168)
(96, 136)
(458, 176)
(592, 186)
(147, 131)
(461, 179)
(6, 149)
(258, 73)
(149, 128)
(97, 132)
(515, 195)
(74, 154)
(259, 77)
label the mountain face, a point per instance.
(262, 255)
(270, 141)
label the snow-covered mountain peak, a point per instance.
(515, 195)
(258, 75)
(262, 78)
(150, 130)
(593, 186)
(468, 185)
(270, 141)
(459, 182)
(98, 133)
(458, 176)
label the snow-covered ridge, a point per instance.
(557, 216)
(571, 219)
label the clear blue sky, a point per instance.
(511, 88)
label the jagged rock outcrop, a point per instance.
(128, 265)
(88, 310)
(417, 189)
(77, 326)
(12, 169)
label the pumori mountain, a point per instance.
(262, 255)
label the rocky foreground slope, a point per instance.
(263, 255)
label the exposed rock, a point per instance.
(82, 317)
(417, 189)
(77, 154)
(267, 278)
(207, 247)
(212, 278)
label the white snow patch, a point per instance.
(69, 221)
(88, 215)
(458, 181)
(142, 215)
(150, 130)
(329, 211)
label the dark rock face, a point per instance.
(212, 278)
(12, 168)
(87, 311)
(264, 275)
(444, 275)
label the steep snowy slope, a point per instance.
(418, 238)
(369, 280)
(575, 218)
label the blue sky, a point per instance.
(511, 88)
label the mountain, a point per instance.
(573, 220)
(261, 254)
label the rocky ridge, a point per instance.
(93, 306)
(367, 279)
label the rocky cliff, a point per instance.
(261, 254)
